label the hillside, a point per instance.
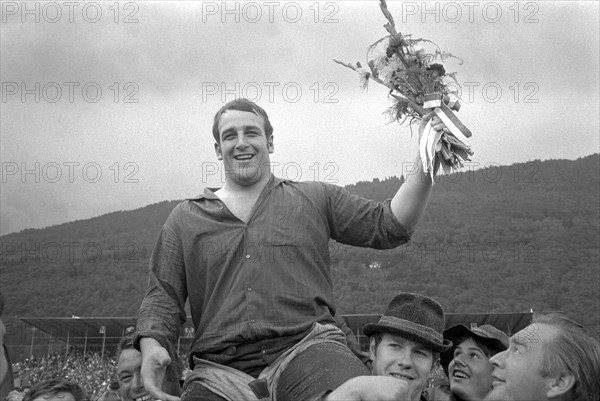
(505, 238)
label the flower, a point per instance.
(363, 77)
(437, 69)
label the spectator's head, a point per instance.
(467, 363)
(241, 105)
(407, 340)
(55, 390)
(554, 358)
(129, 365)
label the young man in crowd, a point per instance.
(554, 358)
(405, 348)
(252, 258)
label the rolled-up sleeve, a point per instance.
(361, 222)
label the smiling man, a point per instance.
(554, 358)
(405, 348)
(252, 258)
(129, 376)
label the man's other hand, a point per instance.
(371, 388)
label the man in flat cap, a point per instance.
(405, 347)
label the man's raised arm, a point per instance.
(410, 202)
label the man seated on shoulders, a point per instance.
(405, 347)
(262, 319)
(554, 358)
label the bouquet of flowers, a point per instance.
(418, 84)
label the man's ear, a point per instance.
(560, 386)
(372, 349)
(270, 145)
(218, 151)
(436, 364)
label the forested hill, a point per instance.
(505, 239)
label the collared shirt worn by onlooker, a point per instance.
(262, 279)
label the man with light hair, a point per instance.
(405, 348)
(554, 358)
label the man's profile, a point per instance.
(554, 358)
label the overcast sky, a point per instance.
(108, 106)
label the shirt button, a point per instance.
(249, 288)
(247, 256)
(264, 352)
(252, 321)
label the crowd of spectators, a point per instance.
(92, 371)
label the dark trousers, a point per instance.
(320, 368)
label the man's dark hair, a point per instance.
(125, 343)
(51, 387)
(241, 104)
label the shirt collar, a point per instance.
(209, 193)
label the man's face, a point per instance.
(403, 359)
(244, 147)
(470, 371)
(517, 371)
(129, 375)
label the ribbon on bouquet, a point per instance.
(430, 138)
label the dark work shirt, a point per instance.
(254, 281)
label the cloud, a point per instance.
(176, 49)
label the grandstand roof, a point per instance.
(77, 329)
